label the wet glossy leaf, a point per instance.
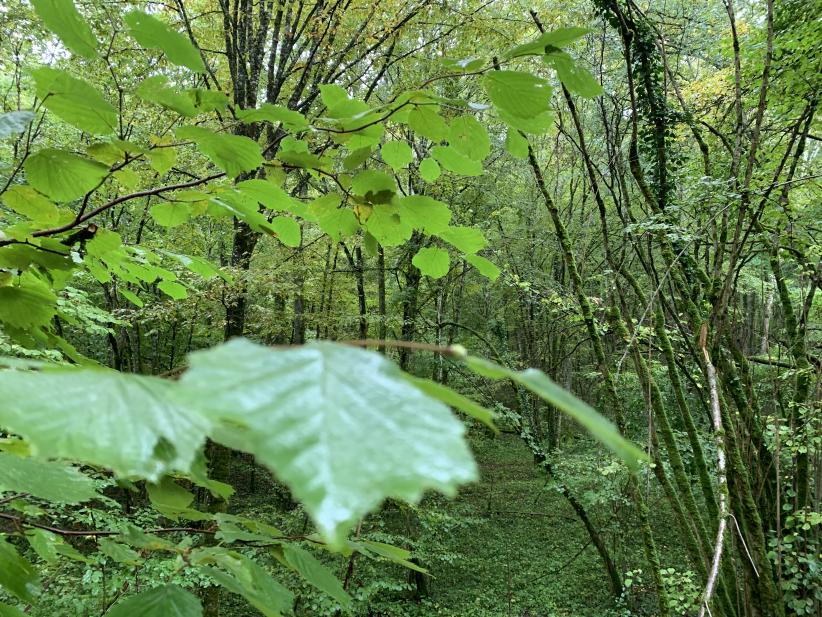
(126, 423)
(299, 410)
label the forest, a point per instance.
(409, 308)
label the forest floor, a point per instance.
(526, 553)
(507, 546)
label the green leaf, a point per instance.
(63, 176)
(14, 122)
(299, 410)
(62, 18)
(50, 546)
(302, 159)
(387, 226)
(131, 296)
(548, 42)
(156, 90)
(424, 120)
(375, 187)
(104, 243)
(173, 501)
(424, 213)
(44, 543)
(138, 538)
(105, 151)
(151, 33)
(234, 203)
(519, 94)
(46, 480)
(292, 120)
(10, 611)
(456, 162)
(542, 385)
(127, 178)
(206, 100)
(466, 239)
(240, 529)
(251, 581)
(576, 78)
(31, 204)
(172, 289)
(197, 265)
(287, 230)
(162, 159)
(333, 95)
(119, 552)
(21, 256)
(199, 475)
(536, 125)
(485, 267)
(27, 305)
(469, 137)
(516, 144)
(464, 64)
(169, 214)
(394, 554)
(166, 601)
(356, 158)
(267, 193)
(233, 154)
(75, 101)
(456, 400)
(315, 573)
(127, 423)
(397, 154)
(432, 261)
(337, 222)
(17, 576)
(429, 170)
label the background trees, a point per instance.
(628, 208)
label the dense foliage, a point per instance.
(245, 248)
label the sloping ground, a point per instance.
(508, 545)
(526, 553)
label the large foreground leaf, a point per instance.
(126, 423)
(341, 426)
(75, 101)
(166, 601)
(17, 576)
(62, 18)
(518, 94)
(62, 175)
(10, 611)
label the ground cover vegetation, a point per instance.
(380, 308)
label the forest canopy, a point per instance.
(379, 308)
